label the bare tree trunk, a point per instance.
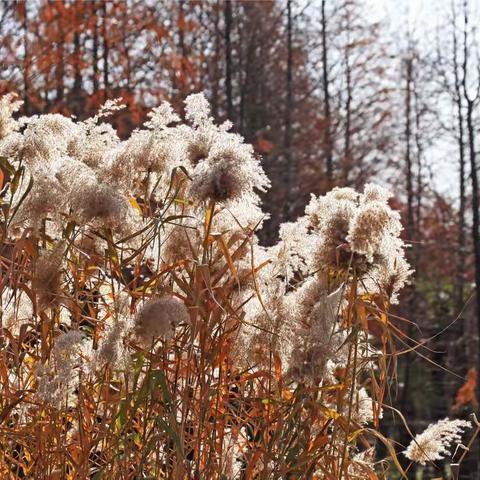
(60, 67)
(216, 72)
(347, 154)
(460, 281)
(475, 205)
(408, 135)
(410, 216)
(105, 49)
(228, 58)
(475, 227)
(26, 60)
(247, 67)
(77, 83)
(95, 49)
(327, 140)
(126, 49)
(471, 103)
(466, 327)
(183, 49)
(417, 214)
(287, 141)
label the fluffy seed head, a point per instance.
(371, 223)
(46, 199)
(433, 444)
(47, 278)
(216, 182)
(47, 138)
(229, 173)
(112, 348)
(161, 116)
(316, 335)
(8, 105)
(159, 318)
(197, 109)
(199, 147)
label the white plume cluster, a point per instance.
(347, 230)
(141, 239)
(435, 441)
(82, 171)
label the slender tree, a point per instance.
(460, 283)
(95, 47)
(26, 59)
(228, 58)
(106, 82)
(347, 161)
(409, 179)
(287, 142)
(408, 145)
(327, 138)
(471, 102)
(60, 51)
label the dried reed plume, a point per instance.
(158, 318)
(115, 244)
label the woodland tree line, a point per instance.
(328, 97)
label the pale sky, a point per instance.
(424, 17)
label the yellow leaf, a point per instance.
(226, 254)
(135, 204)
(329, 413)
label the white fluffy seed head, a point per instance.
(8, 105)
(197, 109)
(371, 223)
(159, 317)
(435, 441)
(47, 279)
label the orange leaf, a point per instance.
(466, 394)
(264, 146)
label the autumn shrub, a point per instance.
(146, 333)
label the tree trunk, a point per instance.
(228, 58)
(417, 213)
(183, 89)
(126, 48)
(462, 244)
(460, 283)
(471, 103)
(347, 154)
(475, 206)
(60, 67)
(408, 157)
(95, 47)
(287, 141)
(475, 229)
(410, 220)
(77, 54)
(327, 140)
(105, 49)
(26, 60)
(216, 72)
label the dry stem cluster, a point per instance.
(147, 334)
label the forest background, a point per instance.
(330, 93)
